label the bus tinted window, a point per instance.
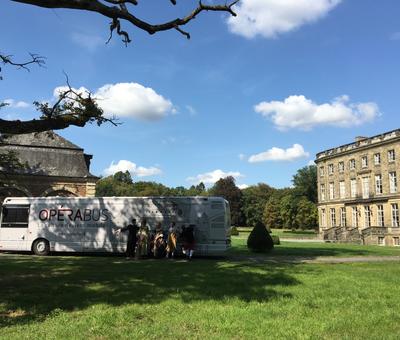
(15, 217)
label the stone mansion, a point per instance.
(358, 194)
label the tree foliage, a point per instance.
(226, 188)
(272, 213)
(121, 184)
(306, 214)
(305, 183)
(254, 200)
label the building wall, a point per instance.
(339, 159)
(47, 186)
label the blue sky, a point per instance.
(256, 97)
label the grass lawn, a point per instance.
(107, 297)
(284, 233)
(311, 249)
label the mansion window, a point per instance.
(380, 217)
(395, 215)
(367, 216)
(377, 159)
(333, 217)
(353, 187)
(322, 192)
(321, 171)
(330, 169)
(343, 217)
(381, 240)
(341, 166)
(342, 189)
(323, 218)
(364, 161)
(391, 156)
(378, 184)
(392, 182)
(331, 191)
(352, 164)
(396, 241)
(365, 187)
(354, 217)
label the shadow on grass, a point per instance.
(33, 288)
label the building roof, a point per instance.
(44, 139)
(47, 154)
(360, 143)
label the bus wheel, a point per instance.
(41, 247)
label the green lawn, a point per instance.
(312, 249)
(285, 233)
(106, 297)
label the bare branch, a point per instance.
(35, 59)
(120, 12)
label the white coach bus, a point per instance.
(82, 224)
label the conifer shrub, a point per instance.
(275, 239)
(259, 239)
(234, 231)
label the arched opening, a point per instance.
(12, 191)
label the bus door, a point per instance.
(14, 227)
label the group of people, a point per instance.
(159, 243)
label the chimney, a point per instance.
(87, 160)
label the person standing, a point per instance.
(159, 243)
(132, 230)
(143, 239)
(171, 240)
(188, 241)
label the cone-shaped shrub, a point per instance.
(259, 239)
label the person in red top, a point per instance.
(188, 240)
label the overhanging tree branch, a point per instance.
(71, 109)
(7, 60)
(119, 11)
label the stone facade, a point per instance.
(54, 167)
(358, 194)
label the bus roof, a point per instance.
(29, 200)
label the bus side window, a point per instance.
(15, 217)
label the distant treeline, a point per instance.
(293, 208)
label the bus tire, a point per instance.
(41, 247)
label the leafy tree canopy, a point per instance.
(305, 183)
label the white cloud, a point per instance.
(129, 100)
(213, 176)
(242, 156)
(16, 104)
(270, 18)
(60, 89)
(298, 112)
(310, 162)
(135, 171)
(278, 154)
(243, 186)
(88, 41)
(133, 100)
